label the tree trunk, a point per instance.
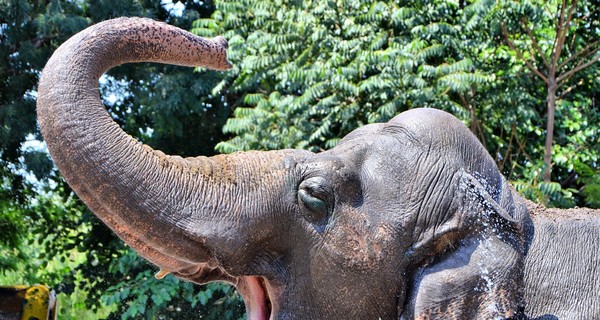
(551, 107)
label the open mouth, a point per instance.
(257, 294)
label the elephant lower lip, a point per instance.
(255, 292)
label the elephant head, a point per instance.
(405, 219)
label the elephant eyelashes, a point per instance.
(317, 196)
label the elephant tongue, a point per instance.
(256, 298)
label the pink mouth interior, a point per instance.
(256, 297)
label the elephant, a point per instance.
(405, 219)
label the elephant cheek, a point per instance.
(359, 245)
(359, 276)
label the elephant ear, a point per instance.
(471, 266)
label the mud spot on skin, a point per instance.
(359, 246)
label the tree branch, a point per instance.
(563, 29)
(536, 46)
(569, 89)
(571, 72)
(590, 13)
(520, 55)
(570, 16)
(581, 52)
(522, 149)
(559, 27)
(512, 135)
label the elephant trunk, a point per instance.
(165, 207)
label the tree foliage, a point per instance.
(307, 73)
(310, 72)
(28, 32)
(557, 41)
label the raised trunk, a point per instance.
(167, 208)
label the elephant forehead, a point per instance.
(347, 154)
(426, 120)
(415, 127)
(375, 146)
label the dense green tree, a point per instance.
(28, 32)
(313, 71)
(557, 41)
(557, 44)
(306, 73)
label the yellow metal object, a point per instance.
(36, 302)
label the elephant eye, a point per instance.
(316, 195)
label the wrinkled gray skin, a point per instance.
(404, 219)
(562, 269)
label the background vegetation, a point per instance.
(522, 75)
